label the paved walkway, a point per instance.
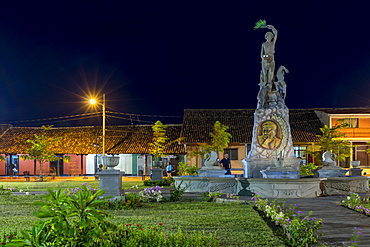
(339, 222)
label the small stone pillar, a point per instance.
(111, 182)
(157, 174)
(355, 172)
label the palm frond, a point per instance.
(260, 23)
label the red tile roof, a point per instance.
(305, 124)
(131, 139)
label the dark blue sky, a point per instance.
(161, 57)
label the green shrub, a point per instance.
(177, 192)
(186, 169)
(131, 201)
(211, 196)
(164, 182)
(73, 219)
(307, 169)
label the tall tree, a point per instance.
(333, 140)
(220, 139)
(160, 140)
(42, 151)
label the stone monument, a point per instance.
(271, 154)
(111, 179)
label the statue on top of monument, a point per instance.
(272, 93)
(280, 84)
(267, 54)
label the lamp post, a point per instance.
(96, 145)
(93, 102)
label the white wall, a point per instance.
(125, 163)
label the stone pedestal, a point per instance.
(157, 174)
(111, 182)
(355, 172)
(279, 188)
(253, 167)
(213, 171)
(343, 186)
(331, 172)
(280, 172)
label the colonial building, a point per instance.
(130, 142)
(357, 132)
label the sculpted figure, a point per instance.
(327, 159)
(268, 135)
(267, 54)
(210, 159)
(262, 93)
(280, 84)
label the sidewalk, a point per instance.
(339, 222)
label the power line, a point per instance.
(85, 115)
(143, 115)
(94, 114)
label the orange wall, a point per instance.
(71, 168)
(74, 167)
(28, 165)
(2, 167)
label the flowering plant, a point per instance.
(152, 194)
(355, 237)
(232, 196)
(299, 232)
(84, 185)
(354, 202)
(7, 190)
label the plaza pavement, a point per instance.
(339, 222)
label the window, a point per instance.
(352, 122)
(300, 152)
(232, 152)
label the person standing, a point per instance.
(226, 164)
(169, 169)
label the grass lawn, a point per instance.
(44, 186)
(234, 224)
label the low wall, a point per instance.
(275, 188)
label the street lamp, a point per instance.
(93, 102)
(96, 145)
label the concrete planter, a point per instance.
(111, 161)
(157, 164)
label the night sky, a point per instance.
(161, 57)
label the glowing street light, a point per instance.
(93, 102)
